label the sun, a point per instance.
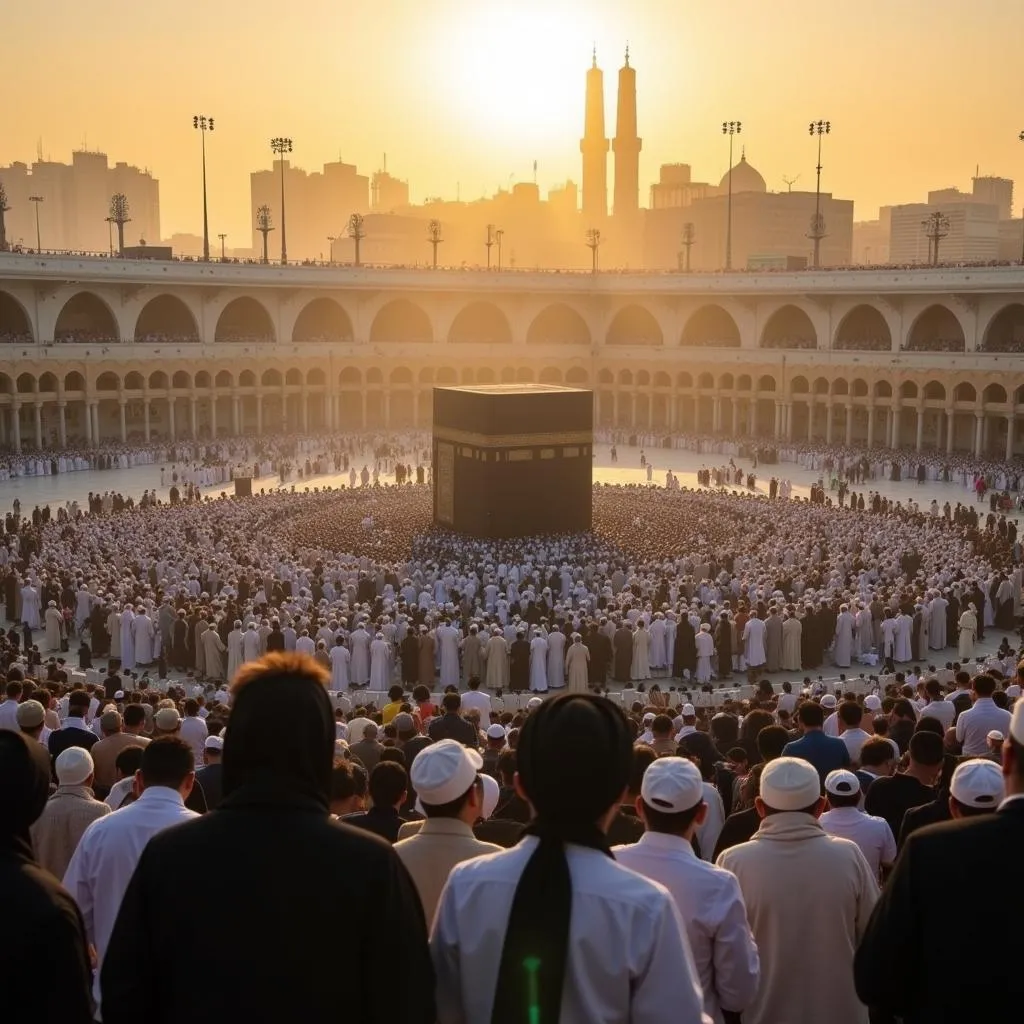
(517, 72)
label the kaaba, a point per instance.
(513, 460)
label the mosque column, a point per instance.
(849, 424)
(213, 416)
(871, 424)
(96, 421)
(828, 422)
(950, 424)
(978, 432)
(752, 418)
(615, 407)
(416, 408)
(632, 409)
(4, 429)
(145, 416)
(16, 426)
(38, 410)
(919, 442)
(88, 423)
(387, 410)
(193, 417)
(1011, 429)
(789, 421)
(810, 419)
(305, 410)
(121, 403)
(172, 432)
(650, 410)
(735, 417)
(986, 430)
(236, 402)
(259, 413)
(362, 420)
(717, 414)
(778, 420)
(62, 424)
(896, 427)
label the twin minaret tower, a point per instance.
(626, 146)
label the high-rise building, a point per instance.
(594, 147)
(626, 145)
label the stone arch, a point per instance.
(244, 319)
(401, 321)
(224, 379)
(350, 377)
(766, 382)
(446, 375)
(108, 381)
(840, 386)
(202, 379)
(293, 377)
(48, 382)
(937, 329)
(166, 318)
(508, 375)
(634, 325)
(15, 326)
(934, 391)
(401, 375)
(883, 389)
(322, 319)
(710, 326)
(247, 379)
(744, 382)
(576, 375)
(965, 392)
(271, 378)
(1005, 332)
(26, 383)
(134, 381)
(605, 377)
(181, 379)
(7, 385)
(859, 388)
(705, 382)
(427, 375)
(485, 375)
(908, 389)
(467, 375)
(558, 324)
(86, 318)
(316, 377)
(799, 386)
(684, 380)
(626, 377)
(74, 381)
(789, 327)
(994, 394)
(821, 386)
(482, 323)
(662, 380)
(863, 329)
(524, 375)
(550, 375)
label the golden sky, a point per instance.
(471, 92)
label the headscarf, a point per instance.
(281, 736)
(25, 769)
(574, 760)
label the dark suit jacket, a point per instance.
(453, 727)
(946, 872)
(269, 906)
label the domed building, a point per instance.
(745, 178)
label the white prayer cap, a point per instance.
(73, 766)
(790, 784)
(444, 771)
(977, 783)
(672, 785)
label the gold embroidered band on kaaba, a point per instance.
(477, 440)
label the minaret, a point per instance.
(626, 145)
(594, 147)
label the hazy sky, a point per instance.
(473, 91)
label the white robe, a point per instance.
(30, 606)
(577, 665)
(753, 643)
(142, 636)
(235, 657)
(359, 668)
(380, 665)
(54, 626)
(659, 647)
(539, 664)
(705, 650)
(114, 629)
(556, 660)
(842, 653)
(83, 607)
(340, 657)
(641, 666)
(904, 628)
(937, 633)
(448, 646)
(968, 634)
(127, 640)
(250, 645)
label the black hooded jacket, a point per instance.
(45, 975)
(313, 920)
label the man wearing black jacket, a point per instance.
(896, 969)
(295, 873)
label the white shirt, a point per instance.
(871, 833)
(710, 829)
(474, 700)
(831, 726)
(193, 731)
(9, 715)
(787, 702)
(628, 957)
(105, 860)
(711, 906)
(854, 740)
(941, 710)
(974, 725)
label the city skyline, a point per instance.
(463, 99)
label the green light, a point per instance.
(532, 965)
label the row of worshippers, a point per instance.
(652, 926)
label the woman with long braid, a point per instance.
(554, 931)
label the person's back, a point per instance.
(826, 753)
(808, 898)
(555, 929)
(351, 902)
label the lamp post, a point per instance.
(593, 244)
(489, 243)
(730, 128)
(119, 210)
(204, 124)
(817, 232)
(687, 240)
(264, 225)
(497, 241)
(281, 146)
(36, 200)
(223, 255)
(4, 207)
(1020, 137)
(357, 233)
(434, 237)
(936, 227)
(110, 234)
(330, 248)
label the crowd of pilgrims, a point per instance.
(571, 860)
